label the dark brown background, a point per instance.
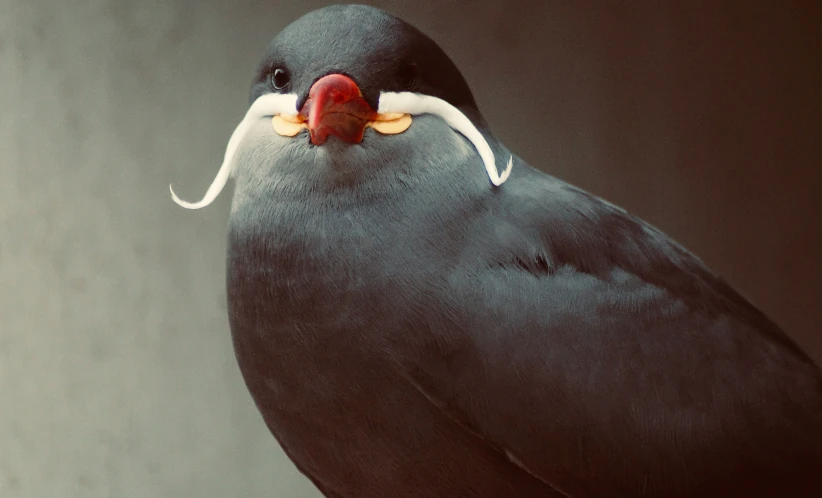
(116, 371)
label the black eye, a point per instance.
(279, 78)
(407, 76)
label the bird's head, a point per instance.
(354, 85)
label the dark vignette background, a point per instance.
(116, 371)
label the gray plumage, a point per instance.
(408, 330)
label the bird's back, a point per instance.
(611, 361)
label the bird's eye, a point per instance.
(279, 78)
(407, 76)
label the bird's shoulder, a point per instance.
(548, 229)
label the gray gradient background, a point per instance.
(117, 377)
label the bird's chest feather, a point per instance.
(319, 268)
(313, 290)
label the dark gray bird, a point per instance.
(413, 323)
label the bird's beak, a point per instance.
(335, 106)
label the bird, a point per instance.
(418, 312)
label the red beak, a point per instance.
(335, 106)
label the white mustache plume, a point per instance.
(414, 103)
(272, 104)
(266, 105)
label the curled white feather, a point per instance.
(414, 103)
(267, 105)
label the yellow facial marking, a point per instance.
(287, 126)
(388, 124)
(392, 123)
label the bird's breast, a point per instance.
(304, 280)
(316, 298)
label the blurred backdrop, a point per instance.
(117, 377)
